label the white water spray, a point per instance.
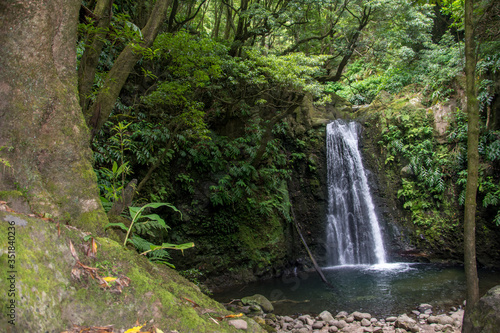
(353, 231)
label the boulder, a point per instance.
(485, 314)
(259, 300)
(406, 323)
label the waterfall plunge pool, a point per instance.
(381, 290)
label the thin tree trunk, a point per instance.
(100, 110)
(229, 22)
(472, 170)
(90, 59)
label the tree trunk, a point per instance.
(90, 58)
(472, 169)
(100, 110)
(41, 123)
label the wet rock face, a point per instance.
(485, 315)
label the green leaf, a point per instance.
(121, 225)
(180, 247)
(156, 217)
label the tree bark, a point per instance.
(100, 110)
(472, 169)
(41, 123)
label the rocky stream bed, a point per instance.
(422, 319)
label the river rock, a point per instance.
(326, 316)
(424, 307)
(301, 330)
(341, 323)
(359, 315)
(238, 324)
(259, 320)
(341, 315)
(333, 329)
(391, 319)
(441, 319)
(406, 323)
(318, 325)
(365, 322)
(259, 300)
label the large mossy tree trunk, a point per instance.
(41, 123)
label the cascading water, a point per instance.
(353, 231)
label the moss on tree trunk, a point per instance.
(41, 123)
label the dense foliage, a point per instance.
(203, 118)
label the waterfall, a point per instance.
(353, 231)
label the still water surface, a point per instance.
(382, 290)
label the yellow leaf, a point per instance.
(94, 246)
(159, 330)
(109, 279)
(234, 316)
(134, 329)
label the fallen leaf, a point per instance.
(134, 329)
(94, 246)
(234, 316)
(76, 273)
(109, 278)
(194, 304)
(73, 252)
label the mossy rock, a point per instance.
(485, 314)
(259, 300)
(53, 291)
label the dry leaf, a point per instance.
(234, 316)
(194, 304)
(94, 246)
(73, 252)
(76, 273)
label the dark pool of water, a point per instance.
(390, 289)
